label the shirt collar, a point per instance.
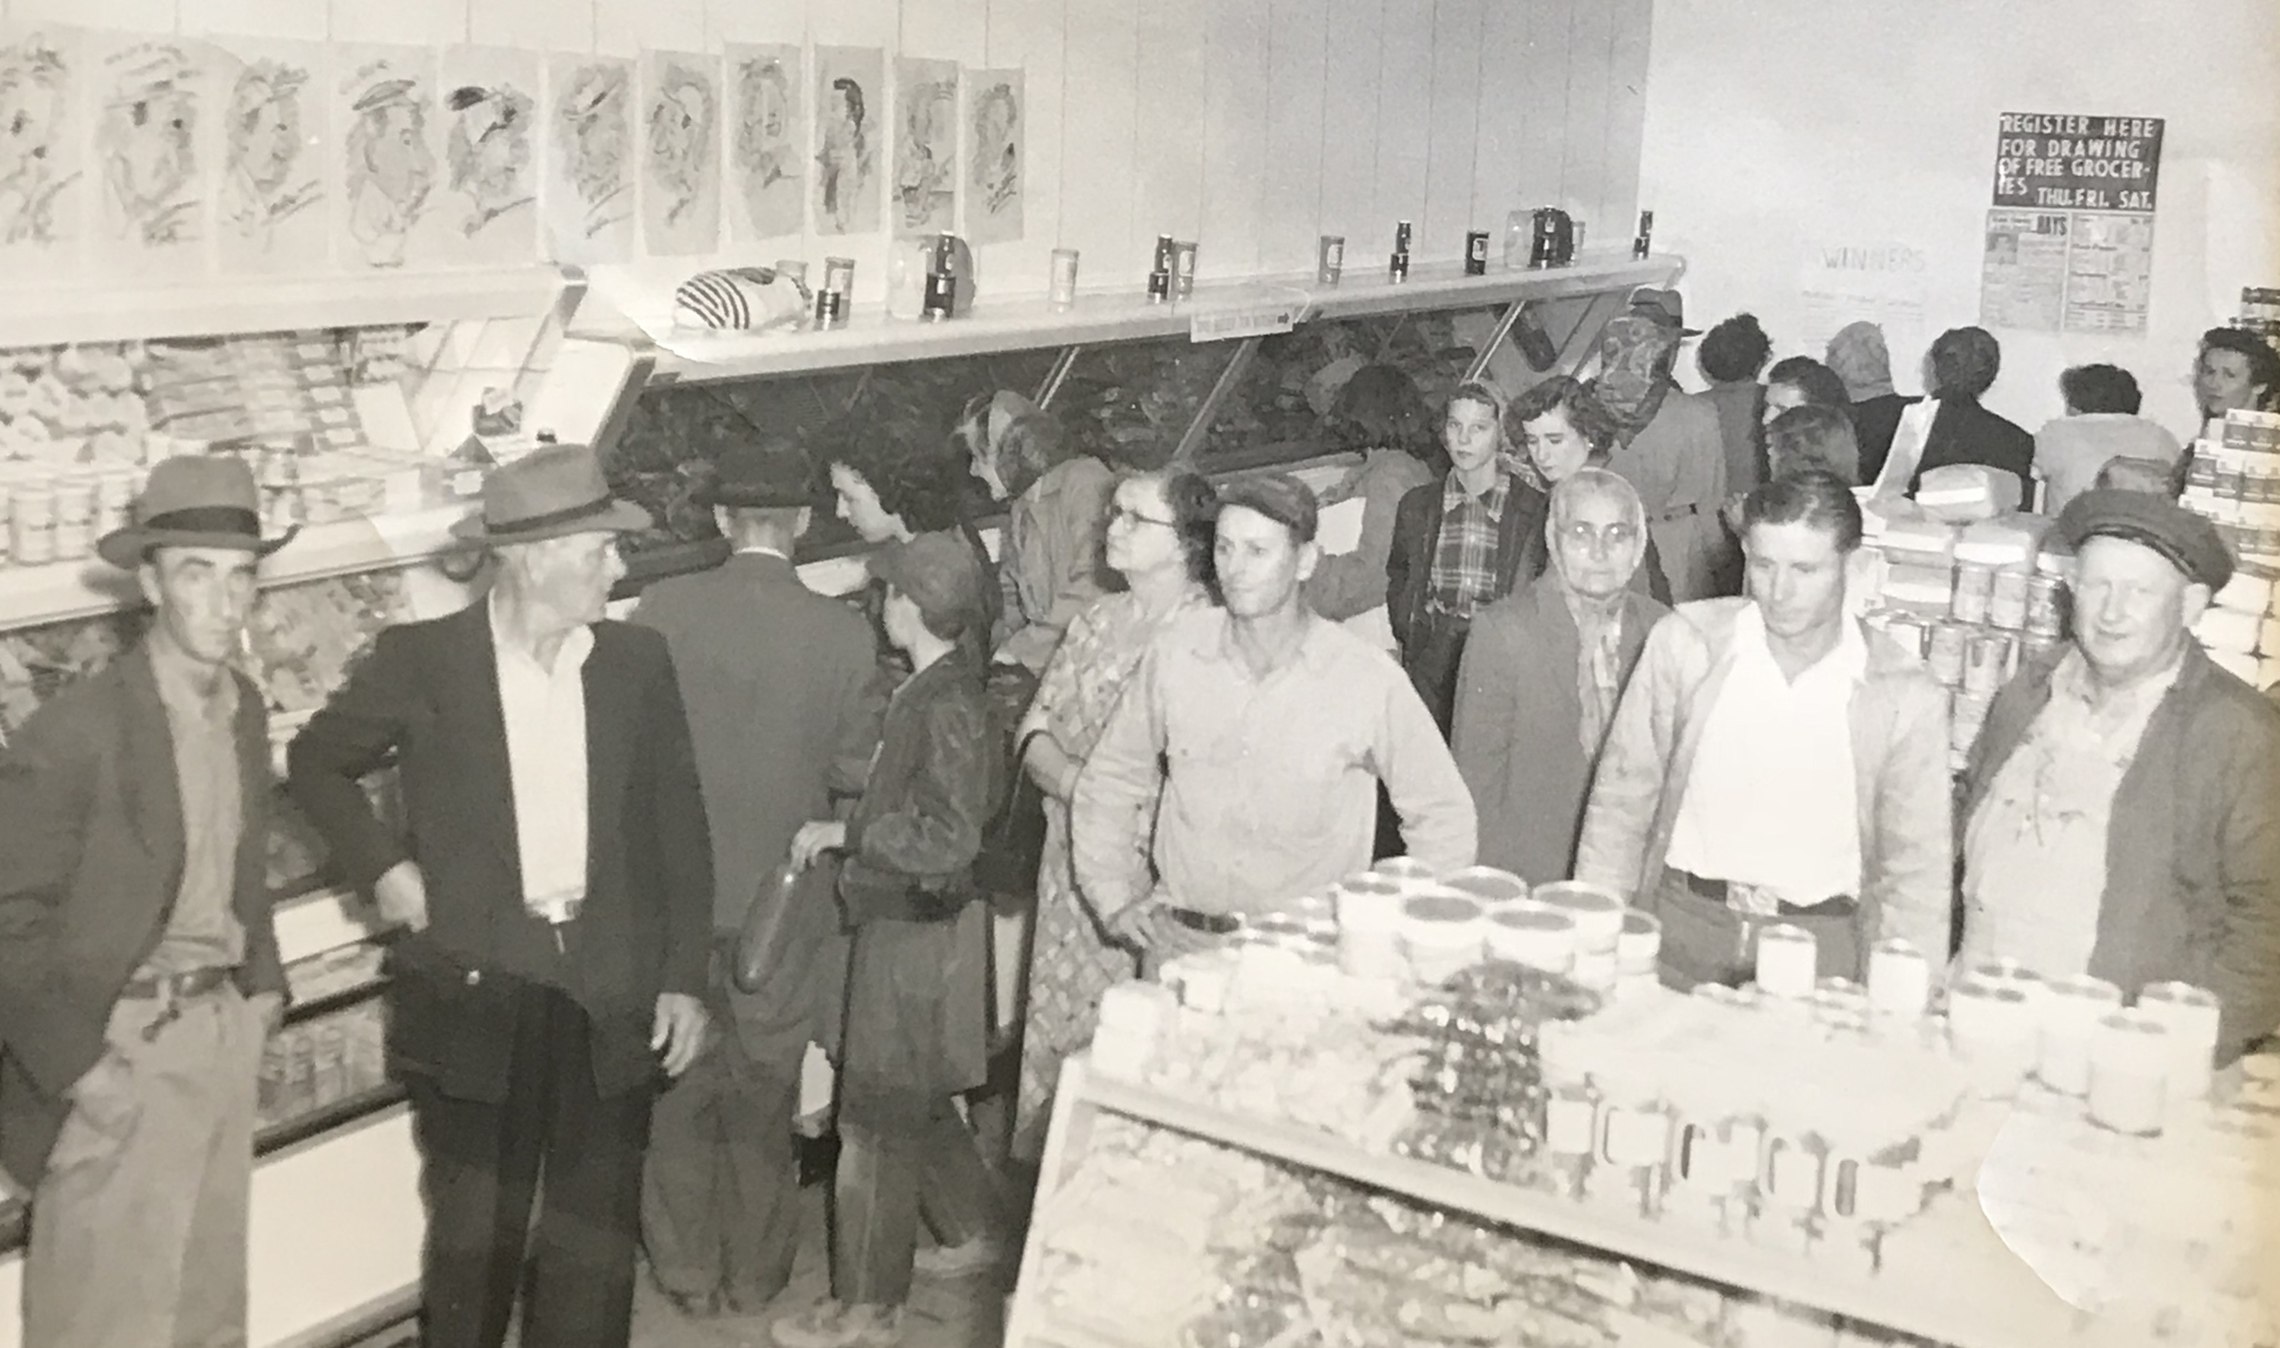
(2071, 679)
(1846, 663)
(575, 647)
(761, 550)
(185, 684)
(1218, 643)
(1454, 495)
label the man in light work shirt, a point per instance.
(1773, 761)
(138, 962)
(1265, 730)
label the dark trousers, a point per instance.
(720, 1193)
(479, 1172)
(887, 1180)
(1704, 941)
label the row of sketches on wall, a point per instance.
(128, 156)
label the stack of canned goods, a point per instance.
(48, 516)
(1998, 616)
(2260, 312)
(2235, 482)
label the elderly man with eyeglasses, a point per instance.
(1543, 671)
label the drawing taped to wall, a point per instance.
(998, 128)
(490, 156)
(269, 210)
(680, 169)
(155, 174)
(926, 144)
(586, 195)
(43, 163)
(767, 169)
(384, 105)
(848, 85)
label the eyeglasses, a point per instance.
(1613, 538)
(1117, 513)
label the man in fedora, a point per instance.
(138, 964)
(774, 677)
(2120, 817)
(555, 887)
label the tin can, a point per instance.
(1329, 258)
(1643, 242)
(1974, 588)
(1987, 662)
(839, 275)
(941, 293)
(1159, 286)
(1401, 236)
(114, 500)
(2007, 604)
(1183, 269)
(1575, 241)
(1397, 267)
(1544, 240)
(1063, 293)
(1163, 261)
(1944, 652)
(793, 269)
(830, 307)
(74, 518)
(1476, 252)
(2046, 607)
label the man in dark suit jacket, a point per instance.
(138, 962)
(556, 884)
(775, 679)
(1527, 733)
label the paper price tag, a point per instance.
(1248, 320)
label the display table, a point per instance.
(1318, 1093)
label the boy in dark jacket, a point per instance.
(917, 1013)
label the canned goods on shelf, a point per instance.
(2007, 603)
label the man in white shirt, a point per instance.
(556, 887)
(1775, 761)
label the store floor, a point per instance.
(964, 1314)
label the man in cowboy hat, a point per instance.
(555, 887)
(138, 964)
(774, 677)
(2120, 818)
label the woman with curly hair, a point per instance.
(891, 491)
(1160, 542)
(1566, 429)
(1732, 356)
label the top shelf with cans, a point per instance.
(870, 335)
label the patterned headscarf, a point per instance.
(1858, 354)
(1635, 357)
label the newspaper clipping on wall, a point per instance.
(2069, 243)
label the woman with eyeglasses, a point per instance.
(1566, 429)
(1159, 540)
(1543, 671)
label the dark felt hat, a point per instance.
(552, 491)
(2189, 542)
(774, 473)
(201, 502)
(938, 571)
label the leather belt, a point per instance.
(176, 987)
(1210, 924)
(1716, 891)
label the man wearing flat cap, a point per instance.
(555, 888)
(774, 678)
(139, 974)
(2120, 817)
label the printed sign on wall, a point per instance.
(2050, 162)
(2069, 244)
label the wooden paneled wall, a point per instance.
(1251, 125)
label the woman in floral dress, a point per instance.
(1159, 541)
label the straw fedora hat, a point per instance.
(201, 502)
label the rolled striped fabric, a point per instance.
(739, 299)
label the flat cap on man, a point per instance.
(2189, 542)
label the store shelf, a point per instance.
(1989, 1303)
(32, 595)
(339, 1114)
(871, 336)
(124, 313)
